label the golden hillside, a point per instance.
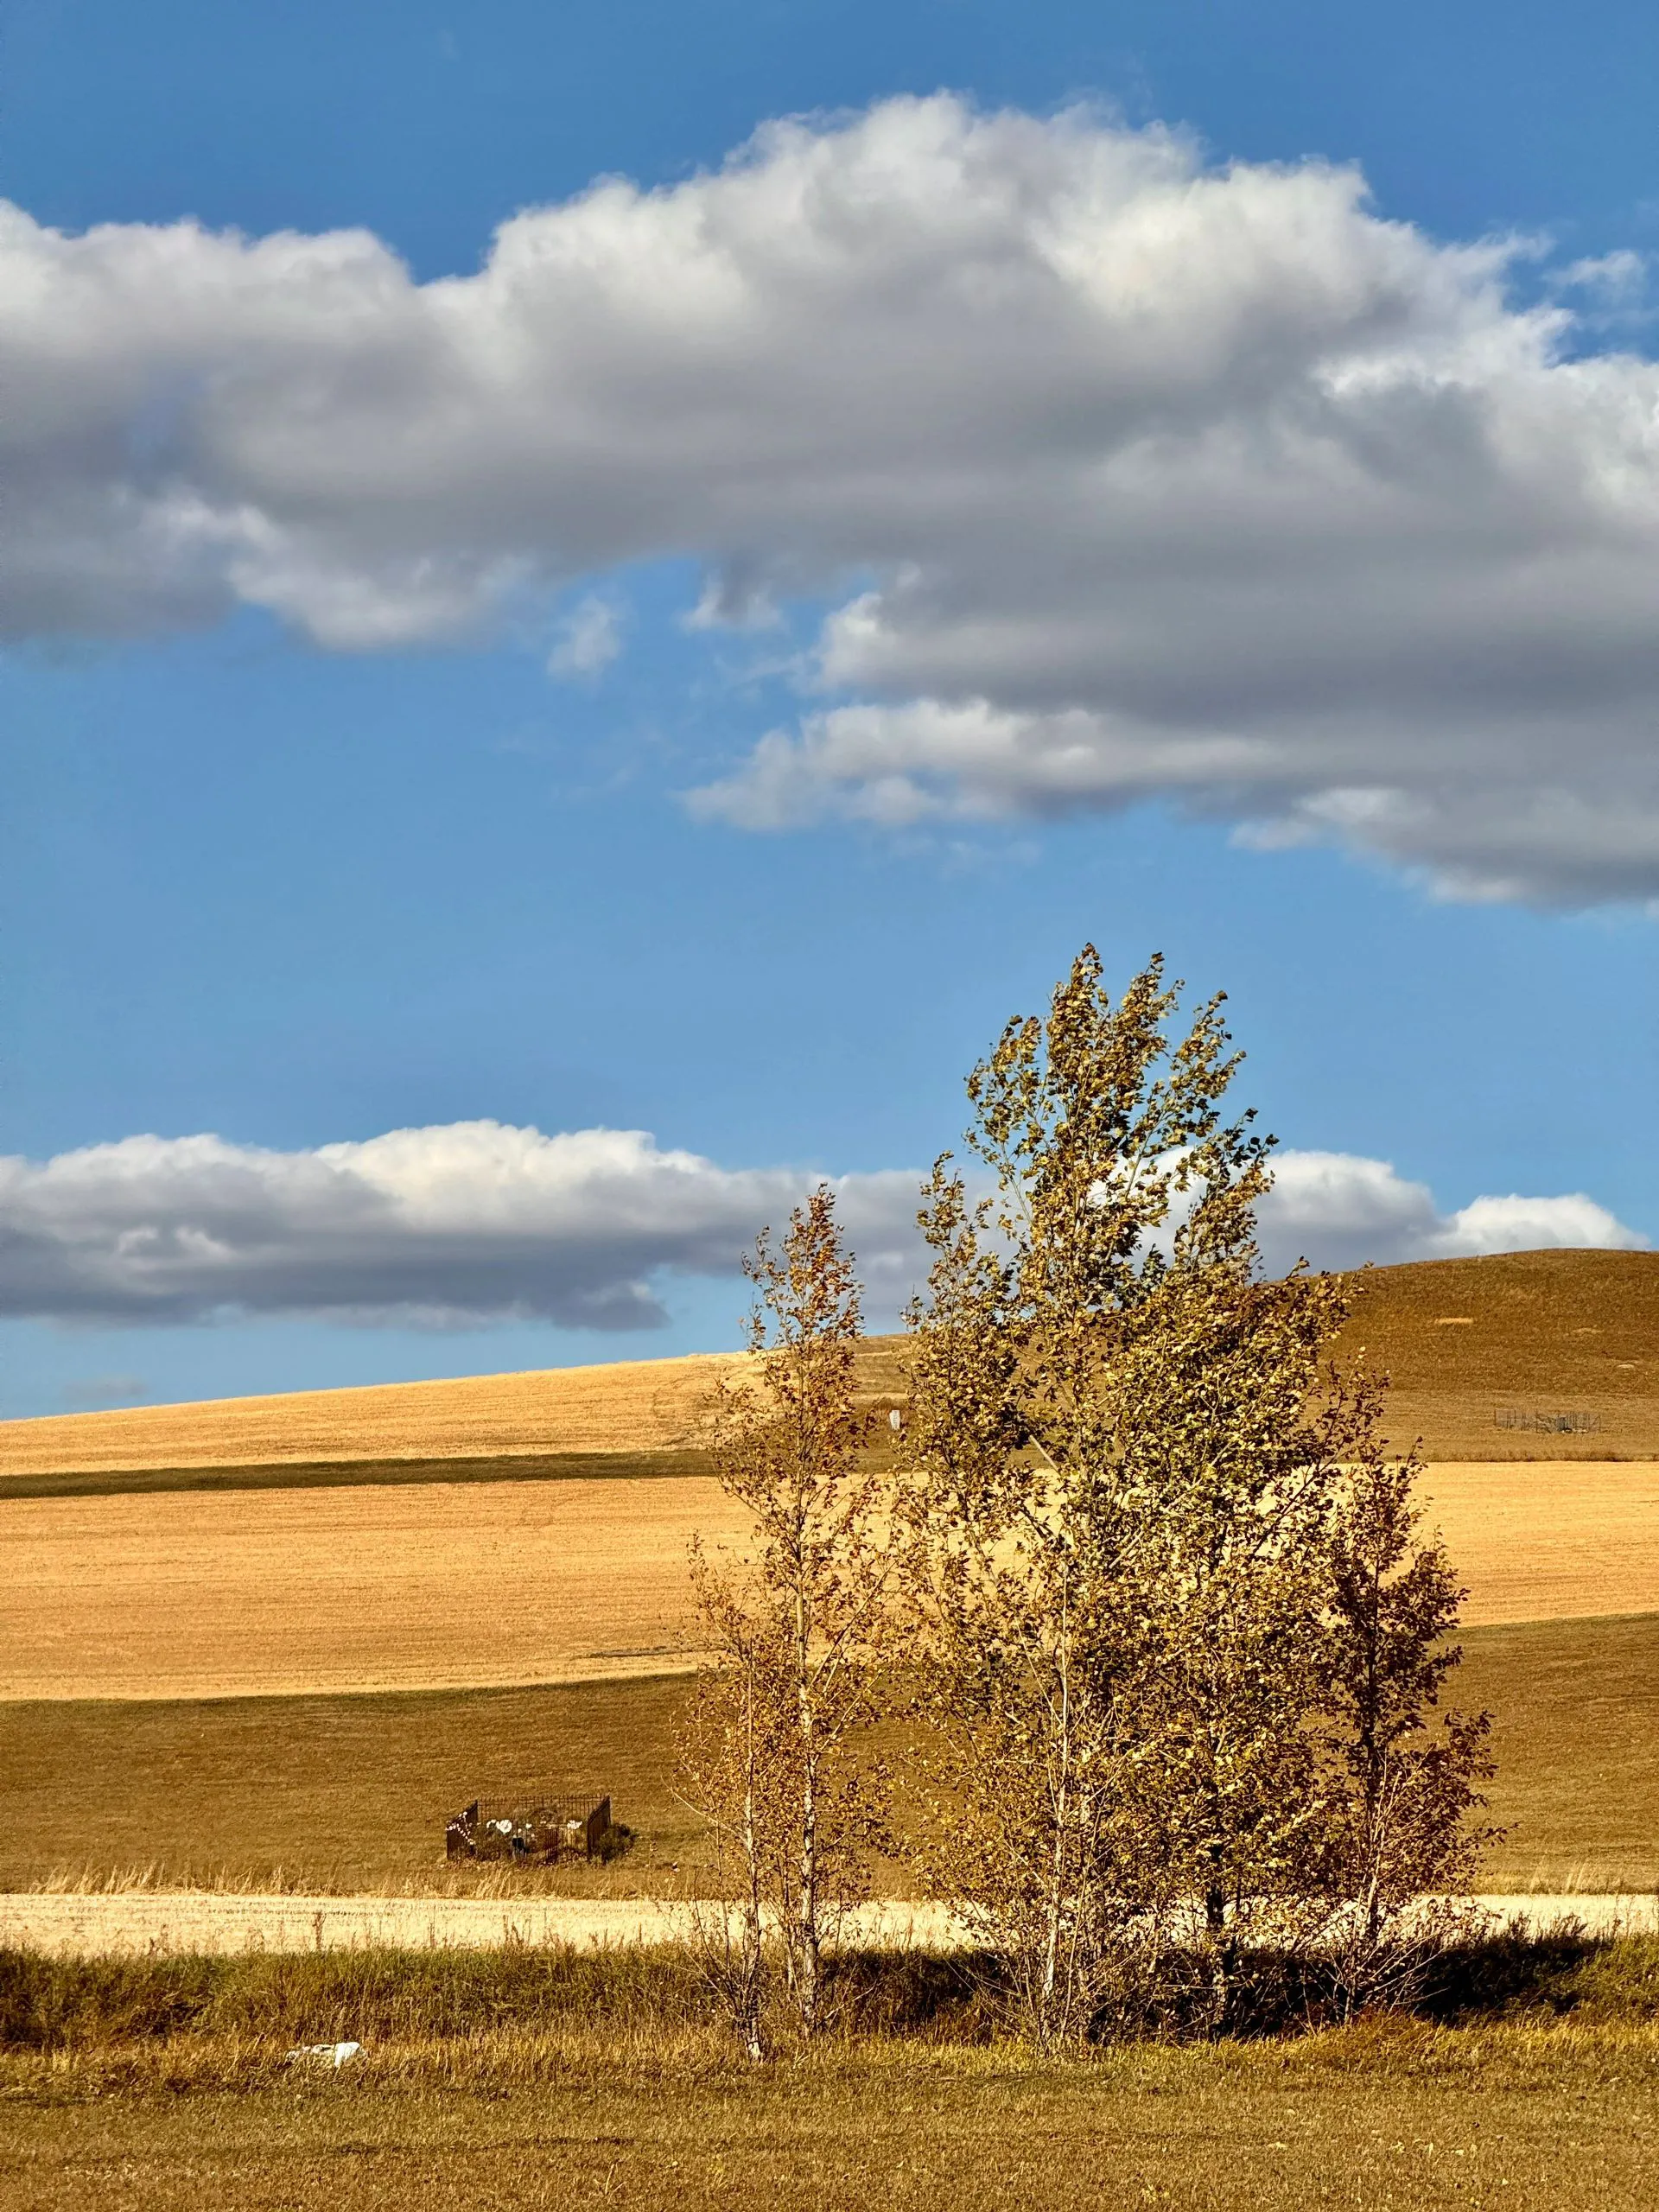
(643, 1405)
(1522, 1356)
(631, 1407)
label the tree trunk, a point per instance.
(1053, 2009)
(808, 1964)
(754, 1965)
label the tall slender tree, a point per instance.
(775, 1750)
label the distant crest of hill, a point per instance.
(1517, 1356)
(1521, 1356)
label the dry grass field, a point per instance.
(1527, 1337)
(350, 1793)
(341, 1793)
(1371, 2119)
(228, 1593)
(1576, 1738)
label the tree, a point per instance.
(1405, 1788)
(1080, 1507)
(1125, 1465)
(775, 1747)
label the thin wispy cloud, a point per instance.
(95, 1391)
(588, 639)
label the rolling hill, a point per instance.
(1520, 1356)
(252, 1586)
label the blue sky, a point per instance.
(369, 812)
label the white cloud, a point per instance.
(479, 1221)
(1338, 1210)
(1618, 280)
(1518, 1225)
(1155, 478)
(970, 760)
(467, 1223)
(589, 638)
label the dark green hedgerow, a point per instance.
(1516, 1976)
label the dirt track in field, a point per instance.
(234, 1593)
(199, 1922)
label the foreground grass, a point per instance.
(1378, 2117)
(547, 2080)
(350, 1792)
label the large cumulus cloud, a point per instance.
(470, 1222)
(1127, 476)
(478, 1220)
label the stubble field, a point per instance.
(244, 1593)
(1517, 1356)
(235, 1593)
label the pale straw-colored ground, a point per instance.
(198, 1921)
(623, 1406)
(194, 1594)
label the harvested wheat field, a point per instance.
(631, 1417)
(226, 1595)
(629, 1406)
(1549, 1540)
(223, 1594)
